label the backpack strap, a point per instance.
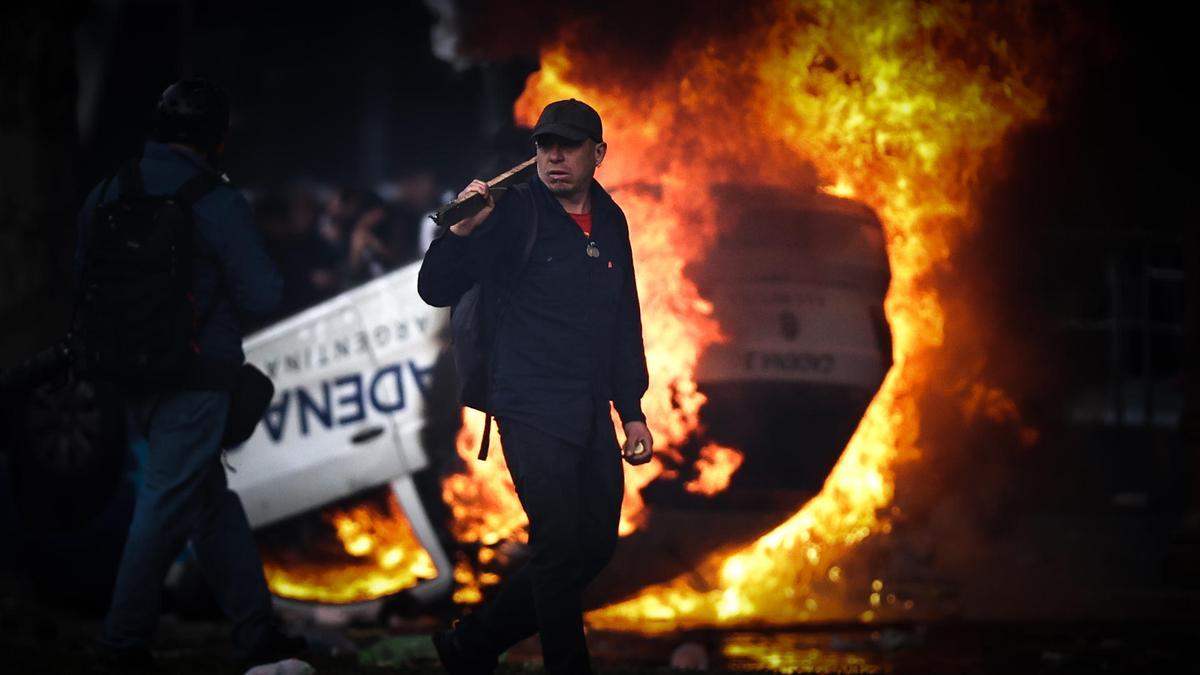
(526, 252)
(486, 441)
(527, 249)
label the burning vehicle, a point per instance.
(357, 405)
(897, 106)
(797, 280)
(362, 426)
(353, 486)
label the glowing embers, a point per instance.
(483, 502)
(361, 549)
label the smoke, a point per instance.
(974, 508)
(444, 35)
(636, 35)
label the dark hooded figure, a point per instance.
(183, 497)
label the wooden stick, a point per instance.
(465, 208)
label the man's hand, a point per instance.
(639, 444)
(467, 225)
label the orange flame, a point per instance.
(386, 558)
(483, 501)
(717, 465)
(880, 99)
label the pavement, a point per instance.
(35, 638)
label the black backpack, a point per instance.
(135, 319)
(475, 322)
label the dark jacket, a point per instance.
(228, 247)
(570, 338)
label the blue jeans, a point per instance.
(183, 497)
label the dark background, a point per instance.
(345, 94)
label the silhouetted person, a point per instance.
(183, 497)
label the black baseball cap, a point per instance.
(572, 119)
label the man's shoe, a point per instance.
(456, 659)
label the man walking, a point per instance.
(568, 342)
(183, 495)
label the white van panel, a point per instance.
(788, 332)
(351, 377)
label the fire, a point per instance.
(385, 558)
(483, 501)
(717, 465)
(894, 103)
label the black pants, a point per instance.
(572, 496)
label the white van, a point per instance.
(797, 280)
(355, 392)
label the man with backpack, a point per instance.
(168, 259)
(548, 328)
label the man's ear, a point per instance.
(601, 150)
